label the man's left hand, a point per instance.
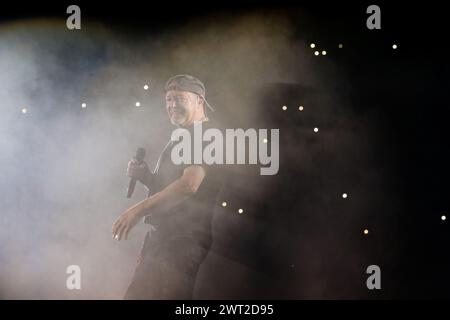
(126, 222)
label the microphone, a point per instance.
(139, 157)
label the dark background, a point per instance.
(403, 94)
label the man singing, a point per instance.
(180, 213)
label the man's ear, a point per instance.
(200, 100)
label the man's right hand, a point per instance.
(138, 171)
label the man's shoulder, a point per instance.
(213, 124)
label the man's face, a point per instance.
(181, 107)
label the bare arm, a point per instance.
(175, 193)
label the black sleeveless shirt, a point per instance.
(193, 217)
